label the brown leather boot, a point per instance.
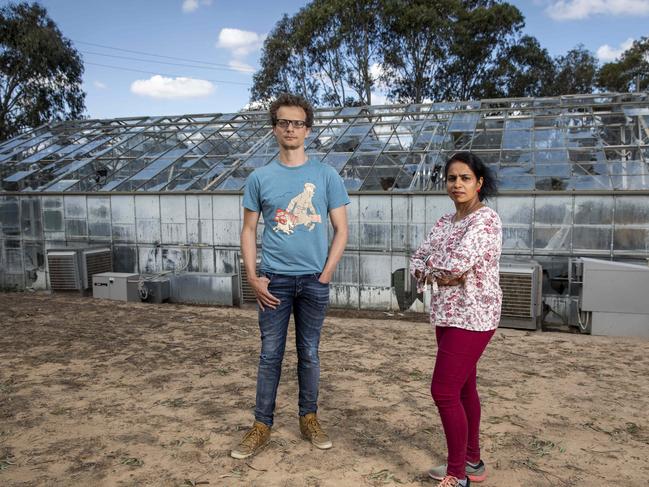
(312, 431)
(256, 438)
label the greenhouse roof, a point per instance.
(594, 142)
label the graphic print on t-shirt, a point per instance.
(300, 211)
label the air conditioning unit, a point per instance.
(613, 298)
(521, 284)
(72, 269)
(95, 261)
(247, 294)
(64, 269)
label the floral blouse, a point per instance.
(471, 247)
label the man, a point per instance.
(294, 194)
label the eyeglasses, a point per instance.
(283, 123)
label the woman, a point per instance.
(460, 259)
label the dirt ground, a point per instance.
(98, 393)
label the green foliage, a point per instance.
(630, 73)
(279, 71)
(525, 70)
(446, 49)
(576, 73)
(528, 70)
(415, 42)
(482, 36)
(40, 71)
(324, 52)
(427, 50)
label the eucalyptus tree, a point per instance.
(416, 38)
(526, 70)
(284, 67)
(40, 71)
(630, 72)
(575, 73)
(324, 52)
(483, 33)
(337, 52)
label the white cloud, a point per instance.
(99, 85)
(379, 98)
(241, 66)
(376, 70)
(582, 9)
(379, 94)
(192, 5)
(240, 42)
(259, 105)
(606, 53)
(161, 87)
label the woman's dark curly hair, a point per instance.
(288, 100)
(489, 186)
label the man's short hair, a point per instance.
(288, 100)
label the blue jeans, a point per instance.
(308, 299)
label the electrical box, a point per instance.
(113, 285)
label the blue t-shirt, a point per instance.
(295, 203)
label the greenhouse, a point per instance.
(164, 193)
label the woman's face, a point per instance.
(461, 183)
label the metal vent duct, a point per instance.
(521, 287)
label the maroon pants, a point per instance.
(455, 393)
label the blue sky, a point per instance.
(226, 37)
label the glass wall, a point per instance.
(200, 232)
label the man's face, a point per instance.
(291, 138)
